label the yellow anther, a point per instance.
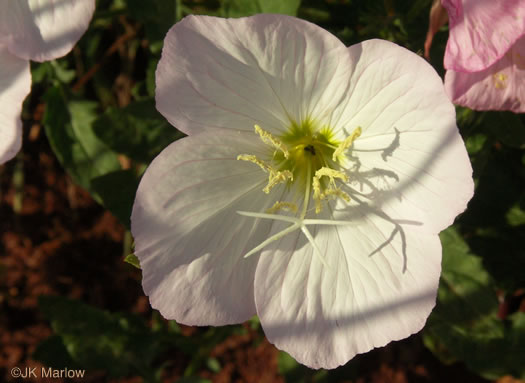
(336, 192)
(500, 80)
(331, 173)
(286, 206)
(346, 143)
(269, 139)
(275, 177)
(318, 195)
(331, 190)
(251, 158)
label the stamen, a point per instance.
(286, 206)
(269, 139)
(251, 158)
(318, 195)
(331, 173)
(346, 143)
(337, 193)
(332, 190)
(275, 177)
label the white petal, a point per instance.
(365, 298)
(15, 84)
(188, 236)
(234, 73)
(42, 30)
(410, 159)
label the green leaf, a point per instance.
(138, 130)
(117, 191)
(132, 260)
(241, 8)
(95, 339)
(213, 365)
(515, 216)
(464, 325)
(475, 143)
(69, 130)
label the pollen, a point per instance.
(275, 176)
(500, 80)
(269, 139)
(346, 143)
(331, 189)
(286, 206)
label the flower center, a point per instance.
(307, 158)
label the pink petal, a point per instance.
(234, 73)
(43, 30)
(15, 84)
(481, 32)
(188, 236)
(324, 315)
(499, 87)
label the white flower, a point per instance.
(310, 191)
(38, 30)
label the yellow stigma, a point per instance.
(307, 157)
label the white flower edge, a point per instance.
(15, 84)
(42, 30)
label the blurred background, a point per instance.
(70, 291)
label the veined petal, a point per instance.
(42, 30)
(188, 236)
(410, 158)
(235, 73)
(379, 286)
(15, 84)
(499, 87)
(481, 32)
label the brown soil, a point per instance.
(61, 242)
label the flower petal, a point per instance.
(188, 236)
(499, 87)
(15, 84)
(234, 73)
(380, 285)
(43, 30)
(481, 32)
(410, 160)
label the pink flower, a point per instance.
(32, 30)
(485, 55)
(311, 188)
